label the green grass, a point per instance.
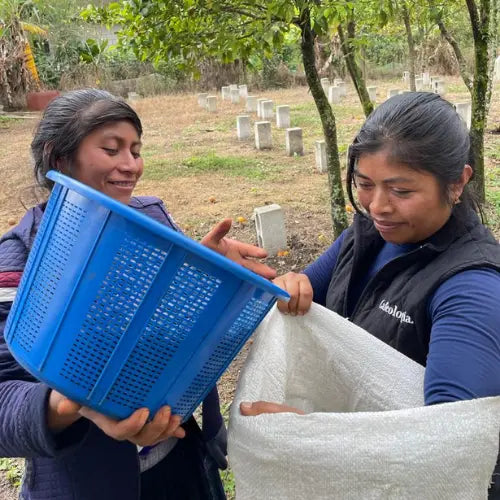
(236, 166)
(493, 153)
(229, 484)
(6, 121)
(227, 475)
(306, 115)
(13, 471)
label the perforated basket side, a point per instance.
(187, 296)
(131, 273)
(229, 345)
(55, 257)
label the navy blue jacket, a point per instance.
(81, 462)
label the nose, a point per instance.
(128, 162)
(380, 203)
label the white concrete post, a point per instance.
(243, 89)
(226, 96)
(251, 104)
(419, 84)
(321, 163)
(496, 75)
(263, 136)
(464, 109)
(325, 83)
(343, 89)
(334, 94)
(233, 86)
(372, 92)
(282, 116)
(392, 92)
(212, 103)
(235, 96)
(267, 109)
(243, 127)
(270, 228)
(259, 105)
(293, 141)
(439, 87)
(202, 100)
(426, 79)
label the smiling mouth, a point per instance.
(126, 184)
(385, 225)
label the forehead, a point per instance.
(121, 130)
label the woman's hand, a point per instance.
(300, 290)
(241, 253)
(264, 407)
(63, 412)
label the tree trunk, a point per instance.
(484, 30)
(352, 65)
(337, 200)
(411, 45)
(484, 24)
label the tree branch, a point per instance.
(464, 72)
(242, 12)
(352, 66)
(411, 45)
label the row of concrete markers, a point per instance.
(269, 220)
(293, 135)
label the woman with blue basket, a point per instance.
(73, 451)
(417, 268)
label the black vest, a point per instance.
(393, 305)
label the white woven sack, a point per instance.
(367, 434)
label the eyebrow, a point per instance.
(111, 135)
(385, 181)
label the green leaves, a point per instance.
(193, 29)
(92, 50)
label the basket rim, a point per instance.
(165, 232)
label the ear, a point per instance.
(458, 187)
(59, 163)
(62, 166)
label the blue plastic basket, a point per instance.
(118, 312)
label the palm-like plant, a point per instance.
(18, 74)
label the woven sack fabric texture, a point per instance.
(367, 433)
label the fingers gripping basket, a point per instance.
(118, 312)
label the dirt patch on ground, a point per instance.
(10, 475)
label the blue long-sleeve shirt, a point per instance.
(464, 349)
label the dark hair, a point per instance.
(422, 131)
(67, 120)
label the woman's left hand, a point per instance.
(263, 407)
(241, 253)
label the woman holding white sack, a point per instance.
(417, 268)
